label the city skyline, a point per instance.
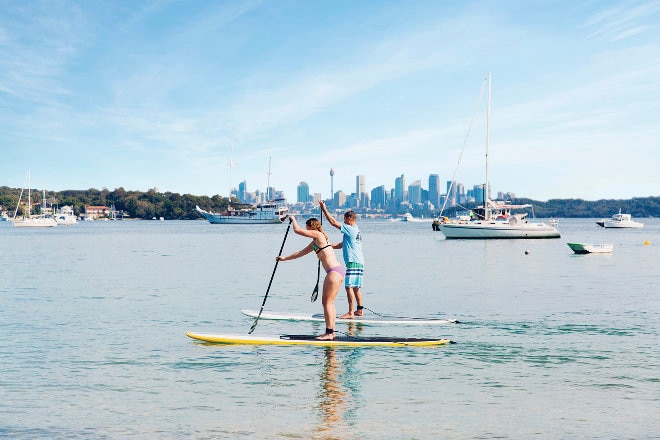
(158, 94)
(433, 192)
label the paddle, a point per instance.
(270, 282)
(315, 293)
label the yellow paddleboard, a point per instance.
(346, 341)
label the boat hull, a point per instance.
(35, 223)
(497, 230)
(620, 225)
(259, 214)
(224, 219)
(581, 248)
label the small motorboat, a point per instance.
(581, 248)
(620, 221)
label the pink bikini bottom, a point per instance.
(340, 270)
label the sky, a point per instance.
(166, 94)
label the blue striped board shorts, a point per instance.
(354, 274)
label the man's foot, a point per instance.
(348, 315)
(325, 337)
(359, 312)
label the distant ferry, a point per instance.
(273, 211)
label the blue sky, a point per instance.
(143, 94)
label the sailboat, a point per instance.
(37, 221)
(494, 219)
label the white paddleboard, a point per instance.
(367, 320)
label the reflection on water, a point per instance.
(332, 397)
(338, 394)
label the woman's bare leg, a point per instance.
(331, 286)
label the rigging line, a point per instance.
(18, 204)
(467, 135)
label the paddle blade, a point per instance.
(315, 293)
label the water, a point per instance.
(550, 344)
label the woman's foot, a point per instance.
(348, 315)
(327, 336)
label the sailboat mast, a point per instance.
(270, 158)
(231, 163)
(486, 213)
(29, 199)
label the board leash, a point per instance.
(412, 318)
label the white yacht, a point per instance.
(274, 211)
(620, 221)
(33, 221)
(65, 216)
(494, 219)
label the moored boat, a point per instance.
(65, 216)
(494, 219)
(620, 221)
(408, 217)
(582, 248)
(33, 221)
(497, 221)
(274, 211)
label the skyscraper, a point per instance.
(242, 191)
(378, 197)
(339, 199)
(460, 193)
(399, 188)
(303, 192)
(360, 190)
(434, 190)
(415, 192)
(451, 193)
(479, 193)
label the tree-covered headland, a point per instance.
(134, 204)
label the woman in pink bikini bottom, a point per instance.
(335, 273)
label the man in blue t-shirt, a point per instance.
(351, 246)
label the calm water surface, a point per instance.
(550, 344)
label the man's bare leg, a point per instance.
(358, 298)
(351, 302)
